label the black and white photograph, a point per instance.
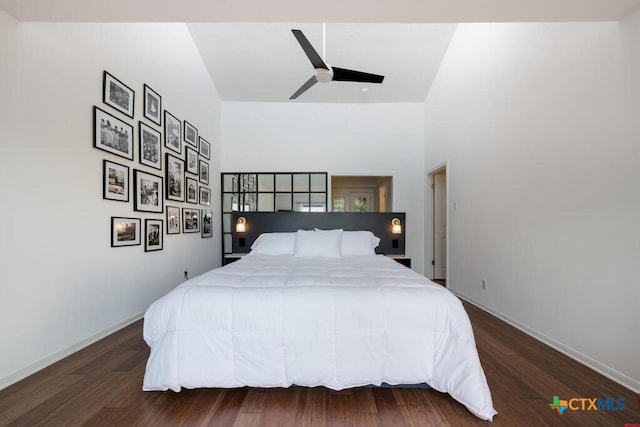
(191, 159)
(172, 135)
(204, 172)
(112, 134)
(173, 220)
(206, 223)
(115, 181)
(150, 146)
(205, 196)
(125, 231)
(192, 190)
(152, 105)
(190, 134)
(205, 148)
(117, 94)
(152, 235)
(148, 192)
(175, 178)
(190, 220)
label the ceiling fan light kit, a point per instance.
(325, 73)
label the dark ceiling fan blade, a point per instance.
(344, 75)
(313, 56)
(304, 87)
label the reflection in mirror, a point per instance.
(248, 182)
(265, 182)
(301, 182)
(265, 202)
(318, 182)
(283, 202)
(226, 223)
(301, 202)
(250, 202)
(318, 203)
(283, 182)
(230, 183)
(227, 244)
(227, 203)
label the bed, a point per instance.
(314, 308)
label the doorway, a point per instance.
(438, 223)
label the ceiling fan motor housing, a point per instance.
(324, 75)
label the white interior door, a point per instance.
(440, 225)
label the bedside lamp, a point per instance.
(241, 225)
(396, 226)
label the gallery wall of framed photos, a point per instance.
(168, 186)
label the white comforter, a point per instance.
(274, 321)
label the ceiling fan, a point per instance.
(325, 73)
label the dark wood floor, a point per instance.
(101, 385)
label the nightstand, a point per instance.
(229, 258)
(402, 259)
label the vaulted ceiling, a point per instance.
(252, 55)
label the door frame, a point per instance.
(429, 222)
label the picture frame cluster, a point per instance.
(174, 169)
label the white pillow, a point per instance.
(274, 244)
(359, 243)
(310, 243)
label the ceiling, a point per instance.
(252, 55)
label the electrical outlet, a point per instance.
(484, 284)
(186, 275)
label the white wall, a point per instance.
(61, 284)
(341, 139)
(539, 124)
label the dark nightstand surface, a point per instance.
(402, 259)
(229, 258)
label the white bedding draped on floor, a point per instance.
(275, 321)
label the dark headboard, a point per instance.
(379, 223)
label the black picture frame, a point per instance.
(125, 231)
(190, 220)
(173, 220)
(117, 94)
(203, 171)
(150, 147)
(190, 134)
(191, 190)
(205, 196)
(152, 105)
(112, 134)
(174, 178)
(206, 223)
(152, 235)
(205, 148)
(191, 160)
(148, 189)
(115, 179)
(172, 134)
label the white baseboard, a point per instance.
(59, 355)
(607, 371)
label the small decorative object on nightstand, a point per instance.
(402, 259)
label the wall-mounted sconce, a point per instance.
(396, 226)
(241, 225)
